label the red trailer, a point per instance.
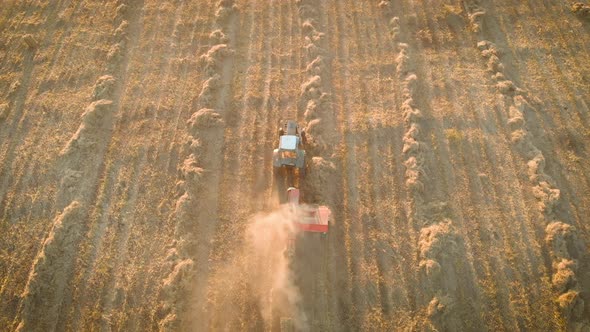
(309, 218)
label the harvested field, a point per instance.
(450, 139)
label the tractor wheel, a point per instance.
(303, 137)
(278, 174)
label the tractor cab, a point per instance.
(290, 152)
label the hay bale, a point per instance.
(438, 242)
(96, 122)
(414, 173)
(311, 111)
(581, 10)
(506, 87)
(564, 277)
(316, 67)
(536, 168)
(475, 19)
(402, 60)
(192, 174)
(212, 59)
(104, 88)
(4, 111)
(563, 241)
(441, 312)
(205, 118)
(218, 37)
(571, 305)
(308, 27)
(516, 119)
(122, 31)
(30, 41)
(311, 88)
(547, 195)
(206, 97)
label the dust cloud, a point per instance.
(263, 264)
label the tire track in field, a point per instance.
(151, 117)
(127, 25)
(144, 279)
(181, 104)
(364, 273)
(314, 106)
(256, 113)
(561, 238)
(32, 165)
(34, 175)
(17, 18)
(76, 192)
(402, 296)
(279, 105)
(567, 123)
(575, 119)
(265, 132)
(22, 120)
(206, 127)
(561, 90)
(18, 128)
(248, 303)
(120, 243)
(237, 162)
(534, 308)
(468, 301)
(226, 17)
(340, 234)
(121, 247)
(282, 97)
(406, 227)
(499, 290)
(468, 180)
(382, 127)
(16, 97)
(571, 123)
(137, 17)
(235, 206)
(442, 252)
(101, 215)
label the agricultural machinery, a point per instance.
(306, 218)
(290, 152)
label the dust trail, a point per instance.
(262, 264)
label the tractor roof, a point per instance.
(288, 142)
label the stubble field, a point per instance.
(450, 138)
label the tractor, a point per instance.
(290, 153)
